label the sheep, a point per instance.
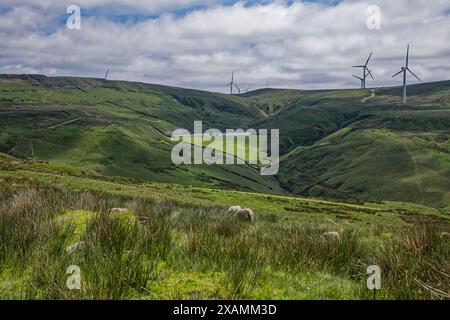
(235, 209)
(332, 235)
(246, 214)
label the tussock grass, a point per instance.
(417, 265)
(124, 256)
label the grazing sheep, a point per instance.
(118, 210)
(332, 235)
(235, 209)
(246, 214)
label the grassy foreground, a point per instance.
(177, 242)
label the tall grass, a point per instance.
(417, 266)
(122, 254)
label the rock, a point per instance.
(72, 248)
(119, 210)
(332, 235)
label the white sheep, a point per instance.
(235, 209)
(246, 214)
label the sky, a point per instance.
(199, 43)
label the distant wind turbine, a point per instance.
(239, 89)
(231, 84)
(404, 69)
(366, 72)
(106, 75)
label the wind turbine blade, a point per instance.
(358, 66)
(358, 78)
(398, 73)
(370, 73)
(407, 57)
(368, 59)
(414, 75)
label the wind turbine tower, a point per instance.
(404, 69)
(361, 79)
(366, 72)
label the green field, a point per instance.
(372, 170)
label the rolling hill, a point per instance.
(343, 144)
(119, 128)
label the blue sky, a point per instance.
(130, 15)
(198, 43)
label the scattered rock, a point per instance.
(119, 210)
(332, 235)
(72, 248)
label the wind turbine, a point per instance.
(404, 69)
(231, 84)
(362, 80)
(239, 89)
(366, 72)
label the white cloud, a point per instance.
(299, 45)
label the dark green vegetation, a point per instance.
(180, 243)
(335, 144)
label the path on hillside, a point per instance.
(32, 149)
(418, 181)
(371, 96)
(64, 123)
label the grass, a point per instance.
(179, 243)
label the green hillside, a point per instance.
(343, 144)
(340, 147)
(120, 128)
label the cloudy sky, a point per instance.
(198, 43)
